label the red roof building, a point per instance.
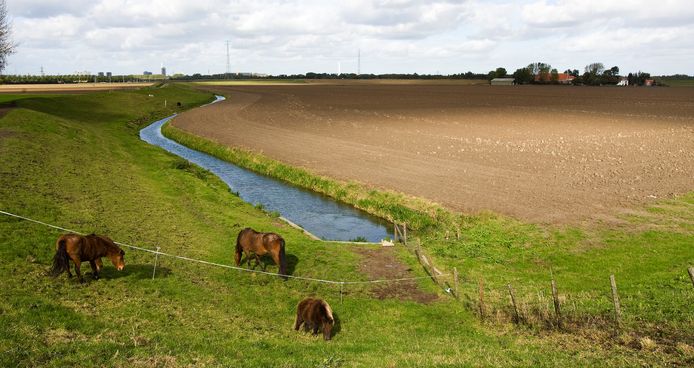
(562, 78)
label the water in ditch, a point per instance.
(318, 214)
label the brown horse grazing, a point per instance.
(250, 241)
(80, 249)
(315, 313)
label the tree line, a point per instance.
(594, 74)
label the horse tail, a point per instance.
(283, 259)
(61, 259)
(239, 248)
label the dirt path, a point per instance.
(381, 264)
(542, 154)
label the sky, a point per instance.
(392, 36)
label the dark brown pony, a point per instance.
(250, 242)
(80, 249)
(315, 313)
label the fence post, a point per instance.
(395, 231)
(455, 281)
(404, 229)
(691, 274)
(615, 300)
(557, 309)
(156, 260)
(481, 293)
(516, 318)
(341, 284)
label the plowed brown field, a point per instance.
(546, 154)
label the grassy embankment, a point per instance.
(676, 82)
(649, 255)
(77, 161)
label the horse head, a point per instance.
(115, 254)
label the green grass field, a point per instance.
(76, 161)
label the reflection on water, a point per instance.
(316, 213)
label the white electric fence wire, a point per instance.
(227, 266)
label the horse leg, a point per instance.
(257, 260)
(99, 265)
(78, 264)
(298, 322)
(95, 270)
(315, 328)
(276, 258)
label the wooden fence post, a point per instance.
(557, 309)
(455, 281)
(404, 229)
(395, 232)
(615, 300)
(481, 292)
(516, 317)
(691, 274)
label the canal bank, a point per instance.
(317, 214)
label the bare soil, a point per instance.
(553, 154)
(381, 264)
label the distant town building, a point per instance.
(108, 74)
(502, 82)
(101, 74)
(649, 82)
(623, 81)
(163, 71)
(146, 73)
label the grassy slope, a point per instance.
(77, 161)
(650, 262)
(649, 254)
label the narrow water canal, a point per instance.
(318, 214)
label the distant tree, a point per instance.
(7, 47)
(610, 76)
(498, 73)
(554, 76)
(523, 76)
(540, 70)
(595, 68)
(640, 78)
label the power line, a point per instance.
(228, 60)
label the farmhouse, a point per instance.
(502, 82)
(565, 78)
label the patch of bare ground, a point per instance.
(380, 264)
(547, 154)
(6, 108)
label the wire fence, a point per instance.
(158, 253)
(544, 305)
(547, 304)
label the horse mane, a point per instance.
(110, 244)
(328, 310)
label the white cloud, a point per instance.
(296, 36)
